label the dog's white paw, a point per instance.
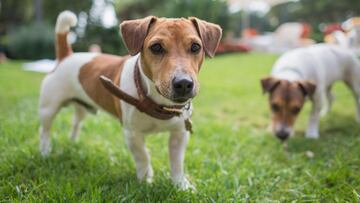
(45, 148)
(145, 174)
(312, 134)
(358, 118)
(184, 184)
(73, 136)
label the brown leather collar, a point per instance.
(144, 104)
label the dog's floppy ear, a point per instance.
(133, 33)
(269, 84)
(307, 87)
(209, 33)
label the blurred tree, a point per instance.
(326, 11)
(132, 9)
(107, 38)
(215, 11)
(38, 11)
(314, 12)
(32, 41)
(52, 8)
(257, 21)
(14, 12)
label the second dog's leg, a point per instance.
(313, 125)
(177, 145)
(330, 99)
(354, 84)
(355, 88)
(136, 144)
(356, 93)
(80, 113)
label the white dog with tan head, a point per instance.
(309, 73)
(149, 91)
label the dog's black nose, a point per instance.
(282, 135)
(183, 86)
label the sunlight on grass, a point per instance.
(230, 157)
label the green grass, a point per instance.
(230, 157)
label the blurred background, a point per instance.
(231, 157)
(27, 26)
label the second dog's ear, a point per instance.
(133, 33)
(269, 84)
(307, 87)
(209, 33)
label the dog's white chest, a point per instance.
(135, 120)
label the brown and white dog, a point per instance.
(169, 54)
(308, 72)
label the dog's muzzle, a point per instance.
(282, 135)
(283, 131)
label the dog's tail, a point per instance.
(65, 20)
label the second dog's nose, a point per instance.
(282, 135)
(183, 86)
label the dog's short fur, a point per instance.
(166, 50)
(308, 72)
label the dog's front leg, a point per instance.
(177, 145)
(313, 125)
(136, 143)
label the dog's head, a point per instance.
(172, 51)
(286, 100)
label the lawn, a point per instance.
(231, 157)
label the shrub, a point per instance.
(107, 38)
(34, 41)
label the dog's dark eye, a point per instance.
(296, 110)
(275, 107)
(157, 48)
(195, 48)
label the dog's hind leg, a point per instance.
(50, 102)
(47, 114)
(79, 115)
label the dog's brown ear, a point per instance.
(209, 33)
(133, 33)
(269, 84)
(307, 87)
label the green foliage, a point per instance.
(33, 41)
(315, 13)
(215, 11)
(327, 11)
(133, 9)
(108, 39)
(231, 157)
(14, 12)
(211, 10)
(52, 8)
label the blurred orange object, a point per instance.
(249, 32)
(332, 28)
(231, 47)
(306, 30)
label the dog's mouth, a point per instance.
(180, 100)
